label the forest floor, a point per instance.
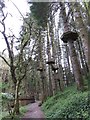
(34, 111)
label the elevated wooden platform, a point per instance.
(69, 36)
(51, 61)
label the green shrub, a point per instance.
(6, 116)
(23, 109)
(69, 104)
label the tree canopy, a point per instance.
(40, 11)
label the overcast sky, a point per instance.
(14, 21)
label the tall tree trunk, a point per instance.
(76, 66)
(88, 11)
(82, 28)
(51, 31)
(50, 82)
(16, 103)
(67, 65)
(43, 85)
(59, 56)
(42, 66)
(74, 59)
(82, 57)
(49, 67)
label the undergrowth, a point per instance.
(68, 104)
(6, 116)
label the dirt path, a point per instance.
(34, 111)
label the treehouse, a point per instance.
(69, 36)
(39, 69)
(54, 67)
(51, 61)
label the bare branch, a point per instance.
(7, 43)
(3, 51)
(2, 23)
(23, 17)
(18, 10)
(5, 60)
(5, 16)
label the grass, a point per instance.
(68, 104)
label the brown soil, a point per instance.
(34, 111)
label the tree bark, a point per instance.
(16, 103)
(74, 59)
(82, 28)
(49, 67)
(76, 66)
